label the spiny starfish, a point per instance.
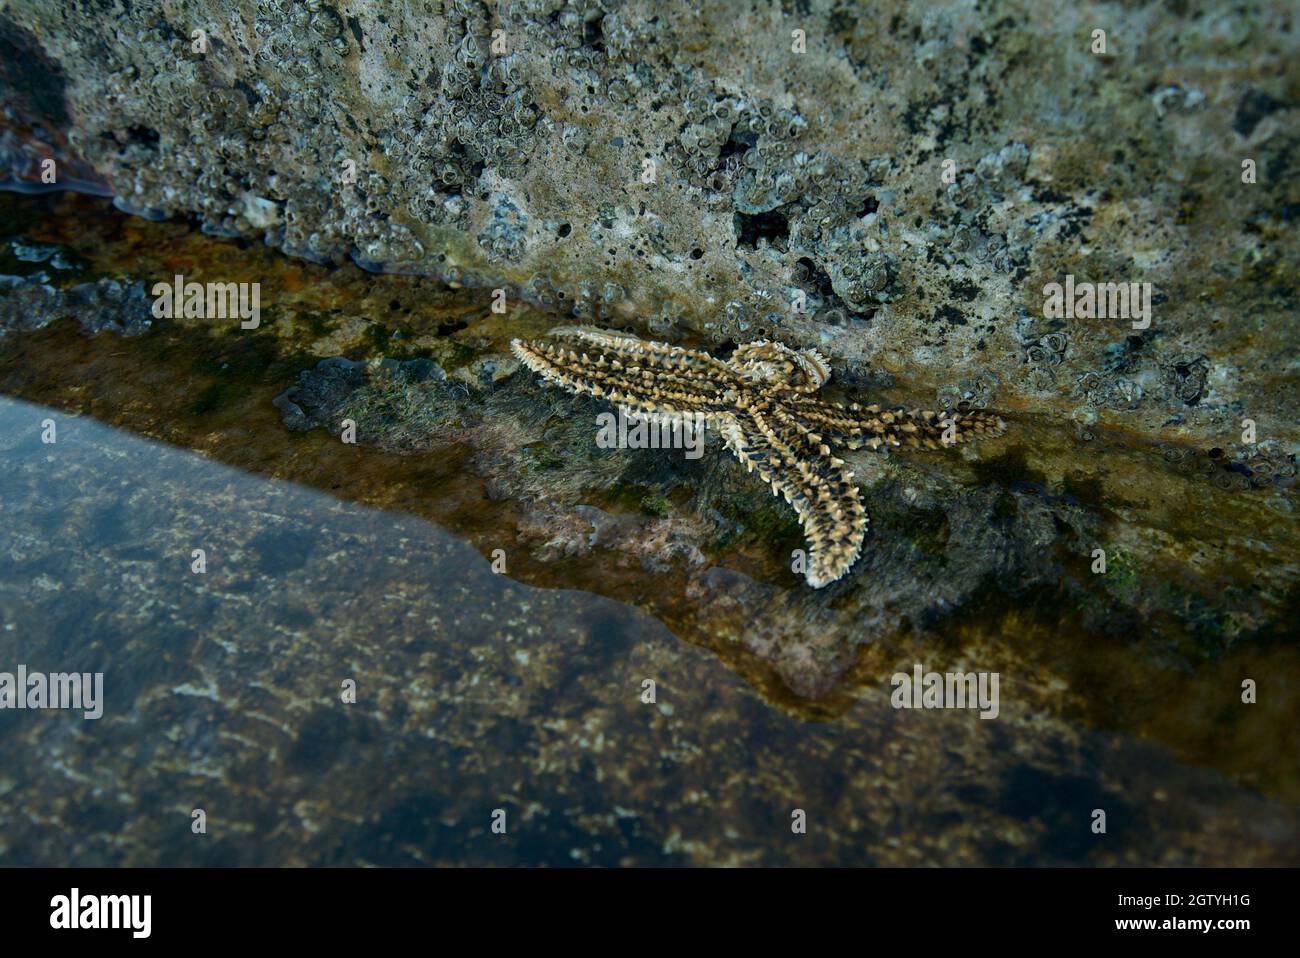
(761, 402)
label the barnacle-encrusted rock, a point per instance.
(892, 184)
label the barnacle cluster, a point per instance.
(975, 393)
(877, 195)
(1129, 376)
(1239, 467)
(440, 168)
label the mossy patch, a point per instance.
(396, 414)
(761, 519)
(654, 505)
(1121, 575)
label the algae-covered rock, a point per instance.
(222, 692)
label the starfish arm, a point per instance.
(819, 486)
(637, 389)
(660, 357)
(856, 427)
(970, 425)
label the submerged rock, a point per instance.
(222, 691)
(30, 302)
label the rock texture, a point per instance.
(893, 183)
(988, 554)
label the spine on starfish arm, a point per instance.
(946, 428)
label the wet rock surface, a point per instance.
(982, 563)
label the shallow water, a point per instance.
(222, 692)
(477, 691)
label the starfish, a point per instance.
(761, 402)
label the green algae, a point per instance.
(394, 414)
(1121, 575)
(654, 504)
(543, 457)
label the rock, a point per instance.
(894, 187)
